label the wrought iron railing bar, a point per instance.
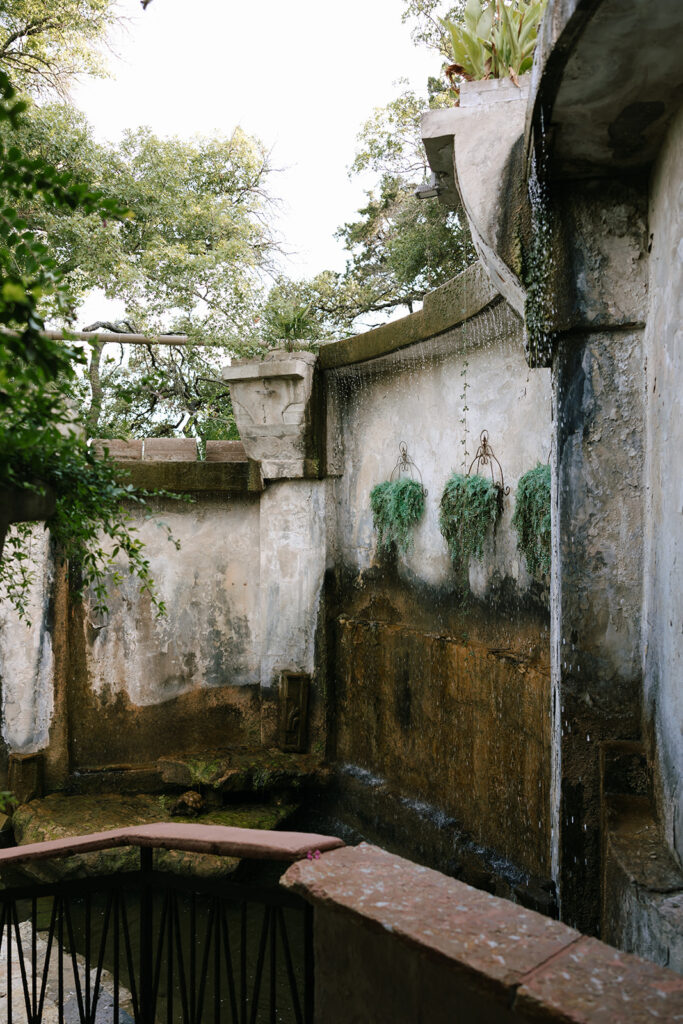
(82, 928)
(181, 961)
(256, 991)
(129, 957)
(74, 962)
(22, 965)
(88, 943)
(273, 960)
(60, 961)
(8, 921)
(234, 891)
(204, 970)
(215, 903)
(193, 956)
(100, 957)
(309, 965)
(48, 954)
(117, 952)
(243, 963)
(158, 963)
(229, 963)
(289, 965)
(34, 954)
(169, 959)
(146, 931)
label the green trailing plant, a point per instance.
(532, 519)
(397, 506)
(495, 39)
(469, 506)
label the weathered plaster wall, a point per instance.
(446, 701)
(662, 651)
(142, 686)
(416, 396)
(292, 570)
(26, 658)
(598, 419)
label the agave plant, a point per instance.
(495, 40)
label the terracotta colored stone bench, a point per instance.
(402, 943)
(220, 840)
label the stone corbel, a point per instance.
(274, 401)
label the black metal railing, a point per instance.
(149, 947)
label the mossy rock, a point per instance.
(246, 771)
(58, 817)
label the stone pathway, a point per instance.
(105, 1004)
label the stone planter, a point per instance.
(273, 401)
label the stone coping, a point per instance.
(193, 477)
(220, 840)
(445, 307)
(541, 969)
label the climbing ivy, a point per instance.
(469, 505)
(532, 519)
(397, 506)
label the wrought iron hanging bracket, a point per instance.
(406, 467)
(485, 457)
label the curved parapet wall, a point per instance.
(441, 696)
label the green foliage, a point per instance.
(427, 26)
(190, 258)
(469, 506)
(494, 39)
(397, 506)
(532, 519)
(44, 45)
(41, 445)
(399, 246)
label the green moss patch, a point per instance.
(397, 506)
(532, 519)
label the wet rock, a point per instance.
(189, 804)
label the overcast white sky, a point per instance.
(301, 75)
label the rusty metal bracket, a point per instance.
(406, 467)
(486, 457)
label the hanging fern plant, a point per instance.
(532, 519)
(397, 506)
(469, 506)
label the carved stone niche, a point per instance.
(274, 401)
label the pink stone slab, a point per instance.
(225, 451)
(223, 840)
(592, 983)
(497, 943)
(170, 449)
(119, 451)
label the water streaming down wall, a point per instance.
(444, 694)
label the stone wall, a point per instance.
(662, 641)
(120, 691)
(443, 697)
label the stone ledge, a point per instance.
(445, 307)
(220, 840)
(540, 969)
(192, 477)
